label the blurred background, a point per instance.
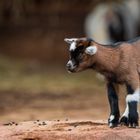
(33, 81)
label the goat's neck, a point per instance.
(107, 59)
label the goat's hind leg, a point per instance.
(130, 116)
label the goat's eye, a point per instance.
(80, 46)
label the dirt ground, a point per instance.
(65, 101)
(66, 130)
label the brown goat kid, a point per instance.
(120, 64)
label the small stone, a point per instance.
(43, 123)
(66, 119)
(6, 124)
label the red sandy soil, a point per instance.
(66, 130)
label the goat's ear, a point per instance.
(91, 50)
(69, 40)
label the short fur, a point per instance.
(120, 64)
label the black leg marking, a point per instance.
(124, 121)
(113, 101)
(133, 114)
(130, 117)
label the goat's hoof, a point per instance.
(133, 124)
(113, 121)
(124, 121)
(112, 125)
(133, 120)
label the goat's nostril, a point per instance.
(68, 65)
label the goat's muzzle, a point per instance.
(70, 66)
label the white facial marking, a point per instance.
(73, 46)
(71, 64)
(133, 97)
(111, 118)
(91, 50)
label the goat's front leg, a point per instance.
(130, 116)
(114, 108)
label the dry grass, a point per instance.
(31, 91)
(31, 76)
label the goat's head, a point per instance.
(82, 51)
